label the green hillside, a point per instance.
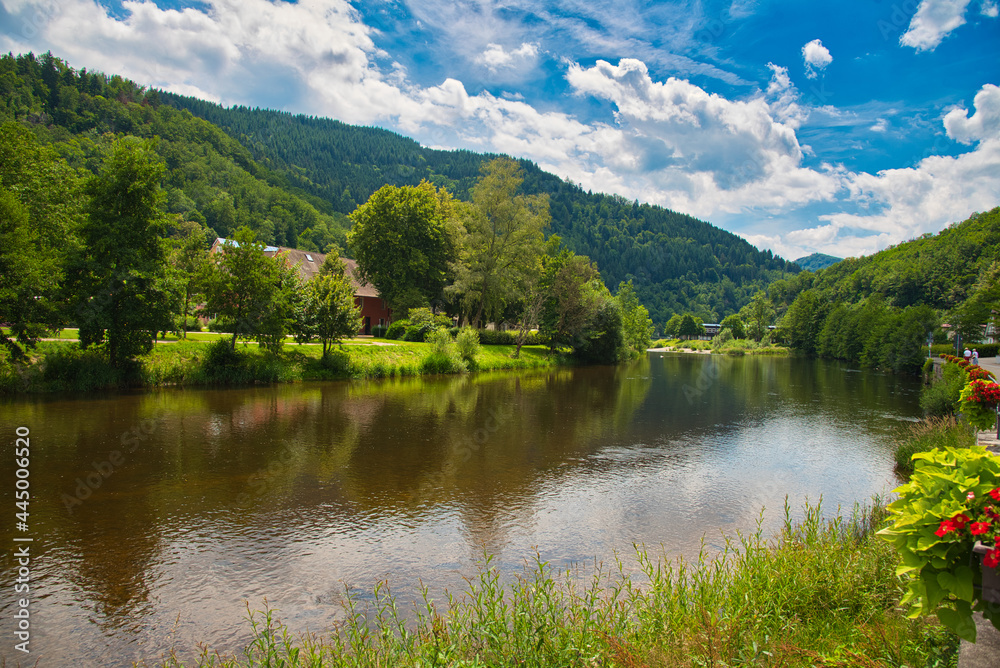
(817, 261)
(678, 263)
(293, 179)
(879, 310)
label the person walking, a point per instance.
(975, 357)
(967, 355)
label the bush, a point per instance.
(72, 368)
(444, 356)
(985, 349)
(217, 325)
(424, 317)
(378, 331)
(492, 337)
(941, 397)
(419, 333)
(396, 329)
(467, 343)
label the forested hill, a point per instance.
(817, 261)
(940, 270)
(293, 179)
(678, 263)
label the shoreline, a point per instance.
(61, 366)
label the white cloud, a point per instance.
(881, 125)
(989, 9)
(932, 23)
(495, 57)
(816, 57)
(982, 125)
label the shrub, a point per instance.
(424, 317)
(467, 342)
(941, 397)
(72, 368)
(492, 337)
(217, 325)
(444, 357)
(379, 331)
(396, 329)
(418, 333)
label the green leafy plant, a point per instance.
(949, 504)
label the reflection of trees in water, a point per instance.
(701, 391)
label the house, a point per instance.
(374, 310)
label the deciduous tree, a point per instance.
(125, 296)
(404, 240)
(503, 241)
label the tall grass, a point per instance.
(932, 433)
(823, 593)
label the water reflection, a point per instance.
(295, 492)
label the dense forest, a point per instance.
(817, 261)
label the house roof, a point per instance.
(309, 264)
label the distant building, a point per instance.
(374, 310)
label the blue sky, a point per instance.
(833, 127)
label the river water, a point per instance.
(156, 516)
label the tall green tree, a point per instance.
(672, 328)
(249, 291)
(126, 296)
(804, 320)
(40, 211)
(734, 325)
(573, 300)
(329, 312)
(404, 240)
(189, 258)
(637, 326)
(503, 241)
(757, 316)
(690, 326)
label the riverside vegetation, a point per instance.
(821, 593)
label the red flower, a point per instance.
(947, 526)
(961, 520)
(978, 528)
(992, 560)
(996, 494)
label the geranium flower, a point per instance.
(947, 526)
(992, 559)
(995, 494)
(979, 528)
(961, 520)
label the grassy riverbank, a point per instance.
(202, 360)
(824, 593)
(735, 347)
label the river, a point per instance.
(156, 516)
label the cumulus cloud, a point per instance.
(816, 57)
(934, 20)
(983, 125)
(495, 57)
(989, 9)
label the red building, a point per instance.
(374, 310)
